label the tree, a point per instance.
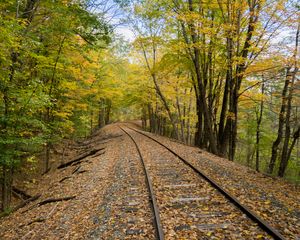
(36, 71)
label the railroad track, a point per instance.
(153, 202)
(196, 191)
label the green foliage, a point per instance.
(41, 81)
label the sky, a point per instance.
(125, 32)
(114, 15)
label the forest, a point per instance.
(219, 75)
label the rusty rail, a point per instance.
(157, 221)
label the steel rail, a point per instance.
(262, 223)
(157, 221)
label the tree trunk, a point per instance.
(222, 135)
(198, 132)
(200, 85)
(181, 121)
(144, 118)
(285, 151)
(284, 116)
(107, 110)
(188, 124)
(203, 105)
(102, 113)
(5, 183)
(156, 85)
(47, 157)
(280, 123)
(258, 124)
(284, 164)
(91, 121)
(166, 106)
(150, 114)
(7, 178)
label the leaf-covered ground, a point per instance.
(273, 199)
(109, 198)
(86, 181)
(190, 208)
